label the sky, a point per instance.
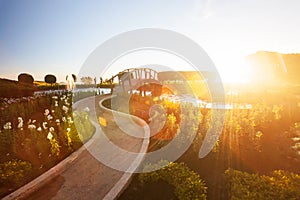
(55, 37)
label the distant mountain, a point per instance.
(274, 68)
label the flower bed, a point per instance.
(36, 133)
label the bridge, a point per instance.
(137, 79)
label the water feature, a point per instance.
(203, 104)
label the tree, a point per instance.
(87, 80)
(71, 79)
(25, 78)
(74, 77)
(49, 78)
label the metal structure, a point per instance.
(140, 79)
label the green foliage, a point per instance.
(49, 78)
(187, 183)
(85, 128)
(55, 147)
(9, 88)
(13, 172)
(6, 142)
(25, 78)
(40, 130)
(279, 185)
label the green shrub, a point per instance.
(187, 183)
(279, 185)
(84, 127)
(14, 171)
(25, 78)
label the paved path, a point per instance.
(81, 175)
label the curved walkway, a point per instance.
(81, 175)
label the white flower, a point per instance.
(45, 125)
(57, 121)
(49, 117)
(68, 129)
(33, 121)
(31, 126)
(7, 126)
(39, 129)
(49, 136)
(46, 112)
(65, 108)
(63, 119)
(51, 129)
(20, 124)
(56, 103)
(54, 97)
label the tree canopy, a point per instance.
(25, 78)
(49, 78)
(87, 80)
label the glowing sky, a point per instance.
(41, 37)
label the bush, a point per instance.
(49, 78)
(13, 172)
(9, 88)
(279, 185)
(187, 183)
(25, 78)
(84, 128)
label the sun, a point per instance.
(234, 70)
(234, 75)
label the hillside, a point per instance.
(10, 88)
(274, 68)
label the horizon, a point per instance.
(111, 72)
